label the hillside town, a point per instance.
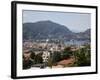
(51, 54)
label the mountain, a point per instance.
(45, 29)
(49, 29)
(84, 35)
(87, 31)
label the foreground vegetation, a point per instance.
(81, 57)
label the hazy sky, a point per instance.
(76, 22)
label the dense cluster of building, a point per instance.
(46, 47)
(43, 47)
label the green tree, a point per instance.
(56, 56)
(66, 53)
(38, 59)
(83, 56)
(32, 55)
(49, 62)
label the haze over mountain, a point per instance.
(49, 29)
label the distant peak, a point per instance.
(48, 21)
(45, 21)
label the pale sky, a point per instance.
(76, 22)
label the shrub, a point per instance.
(83, 57)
